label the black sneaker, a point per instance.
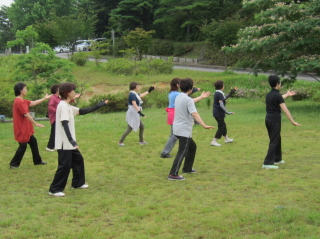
(42, 163)
(192, 171)
(172, 177)
(166, 156)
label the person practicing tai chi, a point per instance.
(69, 156)
(52, 107)
(134, 113)
(23, 126)
(274, 104)
(220, 111)
(185, 112)
(174, 92)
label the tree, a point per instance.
(99, 48)
(24, 13)
(68, 29)
(29, 35)
(131, 14)
(140, 40)
(223, 33)
(286, 38)
(6, 26)
(43, 70)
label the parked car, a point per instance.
(61, 49)
(84, 46)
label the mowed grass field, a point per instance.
(129, 196)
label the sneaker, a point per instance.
(192, 171)
(270, 167)
(228, 141)
(84, 186)
(282, 161)
(166, 156)
(214, 143)
(143, 143)
(42, 163)
(59, 194)
(13, 167)
(172, 177)
(50, 150)
(121, 144)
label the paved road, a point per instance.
(208, 69)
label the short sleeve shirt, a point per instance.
(273, 109)
(172, 98)
(22, 127)
(183, 120)
(133, 97)
(65, 112)
(217, 111)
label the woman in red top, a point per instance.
(23, 126)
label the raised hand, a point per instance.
(47, 96)
(205, 94)
(77, 95)
(290, 93)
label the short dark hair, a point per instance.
(174, 84)
(186, 85)
(274, 80)
(18, 88)
(133, 85)
(54, 88)
(218, 84)
(65, 89)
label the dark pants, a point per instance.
(50, 144)
(187, 150)
(15, 162)
(68, 159)
(222, 128)
(128, 131)
(274, 152)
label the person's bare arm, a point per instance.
(202, 96)
(29, 117)
(36, 102)
(197, 118)
(287, 113)
(289, 93)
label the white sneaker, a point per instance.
(59, 194)
(270, 167)
(121, 144)
(282, 161)
(228, 141)
(84, 186)
(214, 143)
(51, 150)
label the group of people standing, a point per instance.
(181, 115)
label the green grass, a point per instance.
(230, 196)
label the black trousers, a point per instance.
(50, 144)
(274, 152)
(68, 159)
(187, 149)
(222, 128)
(17, 158)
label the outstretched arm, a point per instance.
(147, 92)
(224, 108)
(29, 117)
(203, 95)
(36, 102)
(231, 92)
(90, 109)
(197, 118)
(65, 126)
(287, 113)
(289, 93)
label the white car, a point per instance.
(61, 49)
(84, 46)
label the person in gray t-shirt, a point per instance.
(185, 112)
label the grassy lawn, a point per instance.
(129, 196)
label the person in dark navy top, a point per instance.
(274, 104)
(220, 111)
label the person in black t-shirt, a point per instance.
(274, 104)
(220, 111)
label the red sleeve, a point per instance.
(23, 106)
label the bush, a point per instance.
(79, 58)
(301, 94)
(124, 66)
(249, 93)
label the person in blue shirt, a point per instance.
(134, 113)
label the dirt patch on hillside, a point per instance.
(105, 89)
